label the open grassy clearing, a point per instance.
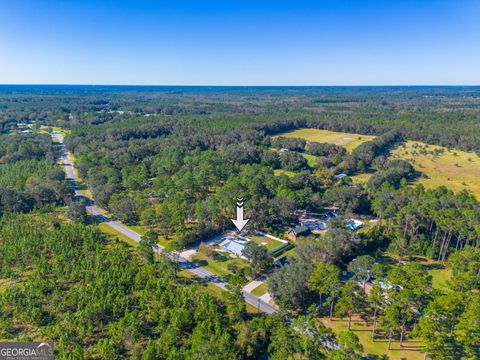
(279, 172)
(439, 271)
(411, 348)
(311, 160)
(361, 178)
(454, 169)
(440, 277)
(348, 140)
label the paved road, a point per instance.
(183, 262)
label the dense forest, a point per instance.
(174, 159)
(29, 177)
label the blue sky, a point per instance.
(334, 42)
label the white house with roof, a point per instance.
(234, 246)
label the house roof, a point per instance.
(233, 246)
(300, 229)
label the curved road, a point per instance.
(183, 262)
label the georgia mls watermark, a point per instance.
(26, 351)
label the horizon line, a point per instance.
(249, 85)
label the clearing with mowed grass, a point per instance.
(347, 140)
(455, 169)
(412, 348)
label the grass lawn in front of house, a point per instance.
(218, 263)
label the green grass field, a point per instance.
(260, 289)
(279, 172)
(347, 140)
(270, 244)
(454, 169)
(439, 271)
(411, 350)
(311, 160)
(142, 230)
(440, 278)
(218, 266)
(361, 178)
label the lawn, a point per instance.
(270, 244)
(311, 160)
(439, 271)
(411, 350)
(260, 289)
(454, 169)
(361, 178)
(348, 140)
(440, 278)
(218, 264)
(139, 229)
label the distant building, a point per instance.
(284, 150)
(298, 231)
(354, 224)
(340, 176)
(316, 225)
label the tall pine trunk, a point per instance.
(389, 338)
(331, 309)
(402, 332)
(434, 242)
(374, 322)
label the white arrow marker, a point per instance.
(240, 222)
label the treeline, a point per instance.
(96, 301)
(443, 116)
(432, 222)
